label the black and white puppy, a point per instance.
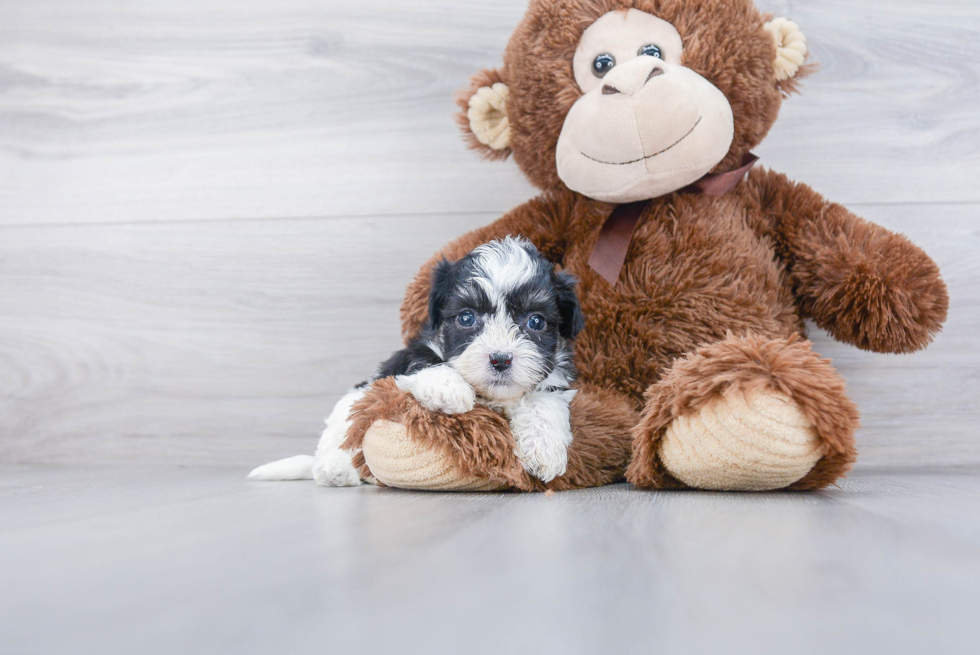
(501, 320)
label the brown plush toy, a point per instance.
(636, 118)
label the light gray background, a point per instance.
(208, 213)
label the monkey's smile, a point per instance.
(634, 161)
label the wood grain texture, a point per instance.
(142, 315)
(229, 341)
(165, 560)
(234, 109)
(196, 340)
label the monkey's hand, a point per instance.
(879, 292)
(865, 285)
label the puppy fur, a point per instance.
(499, 331)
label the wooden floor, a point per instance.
(195, 560)
(209, 210)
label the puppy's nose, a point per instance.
(501, 361)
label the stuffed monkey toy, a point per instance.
(636, 119)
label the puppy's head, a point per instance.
(502, 317)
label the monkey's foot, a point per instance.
(402, 444)
(398, 461)
(752, 440)
(745, 413)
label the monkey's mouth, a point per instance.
(634, 161)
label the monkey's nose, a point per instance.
(656, 71)
(501, 361)
(632, 76)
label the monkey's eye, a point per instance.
(603, 64)
(466, 319)
(650, 51)
(536, 323)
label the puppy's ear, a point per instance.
(569, 312)
(442, 284)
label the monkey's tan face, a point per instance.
(645, 125)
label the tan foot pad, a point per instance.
(398, 461)
(752, 441)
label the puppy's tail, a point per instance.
(299, 467)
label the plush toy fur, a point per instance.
(694, 368)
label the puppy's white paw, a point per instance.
(334, 469)
(542, 455)
(540, 425)
(439, 388)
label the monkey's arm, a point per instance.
(865, 285)
(540, 220)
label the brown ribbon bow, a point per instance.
(609, 253)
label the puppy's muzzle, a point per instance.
(501, 361)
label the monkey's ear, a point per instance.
(790, 53)
(484, 114)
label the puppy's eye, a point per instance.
(466, 319)
(536, 323)
(650, 51)
(603, 64)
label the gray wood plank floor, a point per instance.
(152, 560)
(208, 213)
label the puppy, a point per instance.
(501, 321)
